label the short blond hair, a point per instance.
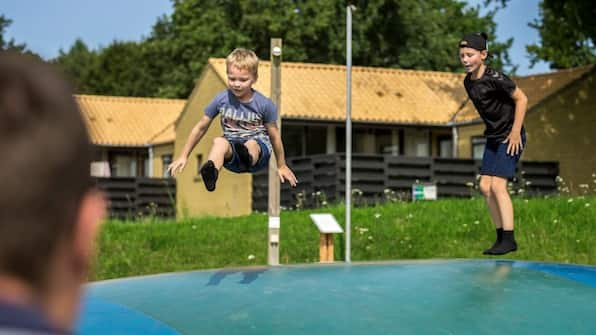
(243, 59)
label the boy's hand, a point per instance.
(285, 173)
(514, 145)
(177, 166)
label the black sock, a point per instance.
(509, 235)
(499, 234)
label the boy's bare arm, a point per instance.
(514, 139)
(197, 132)
(283, 170)
(521, 104)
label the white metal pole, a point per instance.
(348, 128)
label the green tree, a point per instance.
(567, 32)
(11, 45)
(79, 64)
(409, 34)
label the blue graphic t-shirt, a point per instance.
(242, 121)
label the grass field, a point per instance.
(556, 229)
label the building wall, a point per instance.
(561, 128)
(158, 152)
(233, 195)
(464, 139)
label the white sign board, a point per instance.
(326, 223)
(424, 191)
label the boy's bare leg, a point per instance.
(254, 149)
(493, 208)
(220, 152)
(503, 200)
(491, 202)
(500, 193)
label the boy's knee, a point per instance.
(253, 146)
(485, 187)
(498, 188)
(220, 141)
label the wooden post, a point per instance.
(274, 187)
(326, 248)
(327, 226)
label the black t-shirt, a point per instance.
(491, 95)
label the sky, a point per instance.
(49, 26)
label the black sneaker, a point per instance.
(490, 250)
(499, 232)
(504, 247)
(209, 174)
(243, 155)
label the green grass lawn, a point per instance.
(556, 229)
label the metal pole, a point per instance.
(274, 187)
(349, 10)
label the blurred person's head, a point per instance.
(49, 211)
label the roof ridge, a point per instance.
(128, 99)
(356, 68)
(151, 138)
(571, 69)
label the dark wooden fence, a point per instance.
(134, 197)
(383, 177)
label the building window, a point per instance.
(316, 139)
(478, 144)
(417, 142)
(124, 165)
(293, 138)
(445, 146)
(166, 160)
(146, 167)
(384, 142)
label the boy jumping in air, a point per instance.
(502, 107)
(248, 119)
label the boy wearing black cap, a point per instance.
(502, 107)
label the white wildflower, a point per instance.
(251, 257)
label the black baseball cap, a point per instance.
(475, 41)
